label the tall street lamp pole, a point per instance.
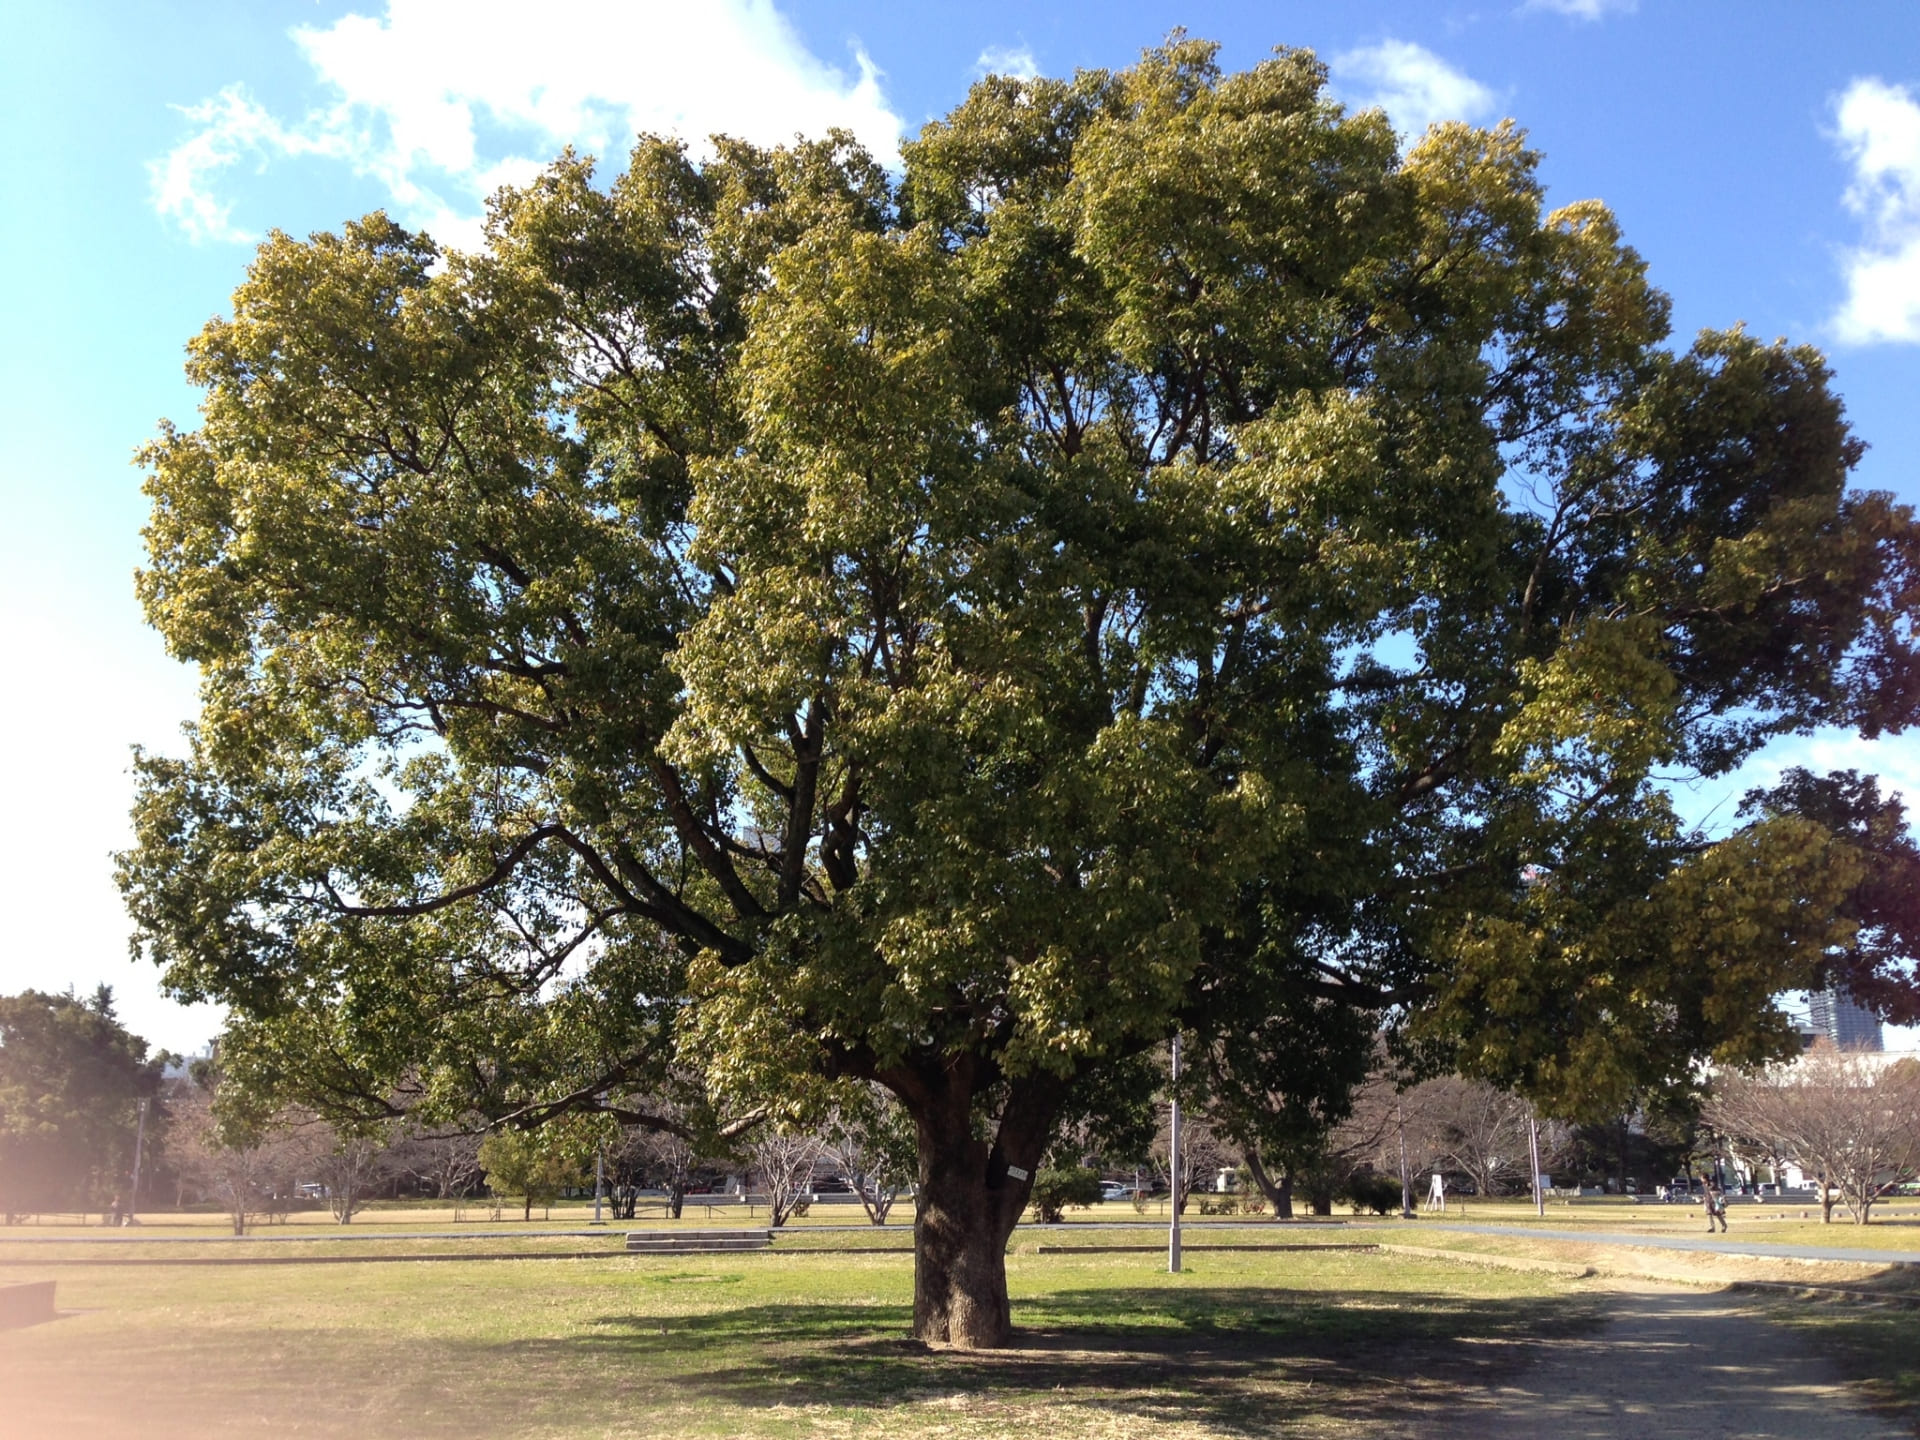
(1406, 1186)
(1173, 1167)
(1533, 1152)
(139, 1152)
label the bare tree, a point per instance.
(1472, 1128)
(870, 1140)
(1843, 1116)
(251, 1172)
(350, 1167)
(1202, 1151)
(449, 1163)
(784, 1161)
(670, 1158)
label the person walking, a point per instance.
(1716, 1208)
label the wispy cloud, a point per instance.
(1013, 60)
(230, 128)
(1894, 758)
(1411, 83)
(1879, 134)
(441, 101)
(1584, 9)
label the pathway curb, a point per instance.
(1569, 1268)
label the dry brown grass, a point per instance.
(1292, 1344)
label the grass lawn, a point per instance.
(1332, 1343)
(285, 1244)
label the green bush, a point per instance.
(1371, 1191)
(1054, 1190)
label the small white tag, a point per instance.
(1016, 1173)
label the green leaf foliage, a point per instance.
(1055, 1190)
(1169, 556)
(71, 1081)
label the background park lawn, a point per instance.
(1332, 1342)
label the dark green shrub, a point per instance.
(1054, 1190)
(1372, 1191)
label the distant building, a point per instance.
(1838, 1017)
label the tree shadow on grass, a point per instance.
(1250, 1359)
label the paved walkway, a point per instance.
(1718, 1244)
(1677, 1365)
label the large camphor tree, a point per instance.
(1170, 556)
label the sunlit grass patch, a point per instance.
(1290, 1343)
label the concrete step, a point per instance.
(27, 1304)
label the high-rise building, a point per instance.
(1838, 1017)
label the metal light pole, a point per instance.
(599, 1182)
(1406, 1186)
(1173, 1168)
(1533, 1150)
(139, 1149)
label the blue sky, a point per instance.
(1765, 158)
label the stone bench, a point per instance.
(27, 1304)
(696, 1242)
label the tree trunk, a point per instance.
(960, 1262)
(1280, 1195)
(676, 1198)
(969, 1199)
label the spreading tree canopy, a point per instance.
(1170, 555)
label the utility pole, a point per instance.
(1406, 1186)
(139, 1149)
(1533, 1151)
(1173, 1167)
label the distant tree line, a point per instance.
(73, 1084)
(85, 1109)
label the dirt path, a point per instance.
(1710, 1245)
(1680, 1365)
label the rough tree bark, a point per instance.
(971, 1194)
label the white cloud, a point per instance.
(1411, 83)
(1894, 758)
(1584, 9)
(232, 127)
(1015, 61)
(441, 101)
(1879, 133)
